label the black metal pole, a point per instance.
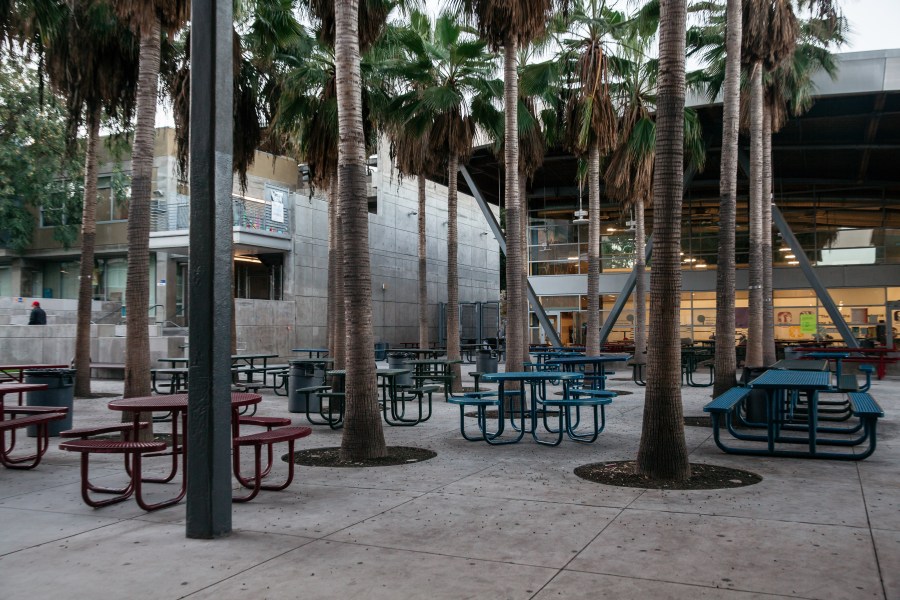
(209, 407)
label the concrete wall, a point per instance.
(393, 240)
(55, 344)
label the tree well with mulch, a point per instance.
(703, 477)
(330, 457)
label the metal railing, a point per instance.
(257, 215)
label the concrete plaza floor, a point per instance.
(475, 522)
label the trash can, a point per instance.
(400, 360)
(381, 350)
(486, 361)
(303, 375)
(756, 401)
(60, 392)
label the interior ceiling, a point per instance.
(837, 165)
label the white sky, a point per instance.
(874, 25)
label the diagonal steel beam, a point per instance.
(546, 325)
(623, 296)
(821, 291)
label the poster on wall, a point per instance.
(278, 207)
(807, 323)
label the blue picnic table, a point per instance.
(597, 374)
(528, 402)
(786, 413)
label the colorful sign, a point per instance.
(808, 323)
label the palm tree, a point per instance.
(629, 173)
(663, 453)
(408, 138)
(509, 24)
(769, 36)
(447, 67)
(591, 128)
(725, 356)
(148, 19)
(789, 89)
(90, 58)
(363, 436)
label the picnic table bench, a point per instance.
(38, 417)
(784, 412)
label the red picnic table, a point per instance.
(35, 416)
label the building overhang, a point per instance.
(178, 241)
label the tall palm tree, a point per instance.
(363, 436)
(663, 453)
(447, 69)
(725, 354)
(407, 140)
(629, 173)
(769, 36)
(789, 90)
(148, 19)
(509, 24)
(90, 58)
(591, 127)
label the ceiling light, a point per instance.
(793, 262)
(789, 256)
(700, 265)
(610, 228)
(784, 249)
(581, 217)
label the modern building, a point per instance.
(837, 183)
(280, 238)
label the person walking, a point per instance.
(38, 316)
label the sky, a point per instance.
(873, 26)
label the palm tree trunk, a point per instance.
(363, 436)
(453, 271)
(423, 268)
(768, 299)
(640, 285)
(515, 295)
(331, 301)
(523, 222)
(86, 271)
(340, 306)
(592, 343)
(137, 353)
(725, 359)
(663, 452)
(754, 333)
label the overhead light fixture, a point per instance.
(248, 259)
(573, 258)
(789, 256)
(793, 262)
(610, 229)
(701, 265)
(581, 215)
(784, 249)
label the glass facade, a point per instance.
(830, 232)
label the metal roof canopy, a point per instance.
(840, 156)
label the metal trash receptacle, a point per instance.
(381, 350)
(792, 353)
(756, 401)
(400, 360)
(486, 361)
(60, 392)
(303, 375)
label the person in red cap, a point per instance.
(38, 316)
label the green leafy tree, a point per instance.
(35, 170)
